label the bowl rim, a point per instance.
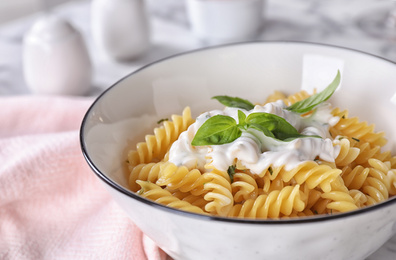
(294, 220)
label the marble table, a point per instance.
(336, 22)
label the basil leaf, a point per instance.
(308, 104)
(273, 126)
(241, 119)
(162, 120)
(262, 129)
(218, 129)
(234, 102)
(231, 172)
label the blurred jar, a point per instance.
(120, 28)
(225, 21)
(55, 58)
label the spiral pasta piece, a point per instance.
(367, 151)
(145, 172)
(308, 171)
(338, 185)
(155, 193)
(276, 95)
(288, 100)
(354, 178)
(310, 196)
(377, 184)
(219, 191)
(291, 99)
(359, 198)
(181, 178)
(156, 146)
(198, 201)
(375, 190)
(244, 187)
(352, 127)
(374, 181)
(392, 180)
(339, 201)
(320, 207)
(336, 200)
(313, 174)
(392, 161)
(380, 165)
(347, 153)
(272, 205)
(275, 184)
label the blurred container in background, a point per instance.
(225, 21)
(55, 58)
(120, 28)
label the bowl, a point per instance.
(123, 114)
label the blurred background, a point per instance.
(14, 9)
(121, 36)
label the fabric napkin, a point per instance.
(52, 206)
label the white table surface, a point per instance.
(331, 22)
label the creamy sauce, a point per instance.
(253, 149)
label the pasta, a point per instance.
(276, 203)
(347, 153)
(198, 201)
(156, 193)
(352, 127)
(354, 177)
(244, 187)
(181, 178)
(156, 146)
(219, 195)
(312, 174)
(358, 174)
(145, 172)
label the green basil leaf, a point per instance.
(277, 125)
(231, 172)
(218, 129)
(234, 102)
(274, 126)
(310, 103)
(263, 129)
(162, 120)
(241, 119)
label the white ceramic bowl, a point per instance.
(130, 109)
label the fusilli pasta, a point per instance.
(156, 146)
(360, 175)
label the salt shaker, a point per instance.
(55, 58)
(120, 28)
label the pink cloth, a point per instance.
(52, 206)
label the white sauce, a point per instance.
(256, 151)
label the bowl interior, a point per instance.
(127, 111)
